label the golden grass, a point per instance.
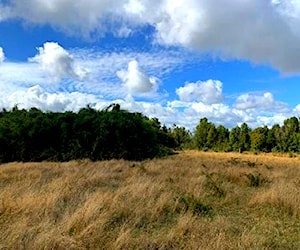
(193, 200)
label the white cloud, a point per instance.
(38, 97)
(207, 92)
(2, 56)
(254, 109)
(189, 114)
(269, 120)
(253, 30)
(297, 109)
(16, 74)
(57, 62)
(262, 103)
(135, 80)
(83, 17)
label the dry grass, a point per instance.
(192, 200)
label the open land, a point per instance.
(192, 200)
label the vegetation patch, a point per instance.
(213, 185)
(112, 133)
(256, 179)
(234, 161)
(194, 205)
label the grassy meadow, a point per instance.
(192, 200)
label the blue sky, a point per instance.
(178, 60)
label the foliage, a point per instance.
(259, 139)
(33, 135)
(182, 137)
(285, 138)
(113, 133)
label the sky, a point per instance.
(178, 60)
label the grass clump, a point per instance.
(194, 205)
(213, 185)
(256, 179)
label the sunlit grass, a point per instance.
(192, 200)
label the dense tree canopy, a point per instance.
(34, 135)
(285, 138)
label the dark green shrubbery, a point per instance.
(33, 135)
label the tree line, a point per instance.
(284, 138)
(114, 133)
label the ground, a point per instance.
(192, 200)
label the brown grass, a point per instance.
(192, 200)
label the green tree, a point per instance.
(244, 137)
(271, 139)
(201, 133)
(290, 129)
(222, 143)
(259, 139)
(234, 138)
(211, 137)
(182, 137)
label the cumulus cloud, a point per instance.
(265, 102)
(208, 92)
(189, 113)
(253, 108)
(2, 56)
(135, 80)
(57, 62)
(259, 31)
(38, 97)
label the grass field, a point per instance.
(192, 200)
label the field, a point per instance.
(192, 200)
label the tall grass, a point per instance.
(192, 200)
